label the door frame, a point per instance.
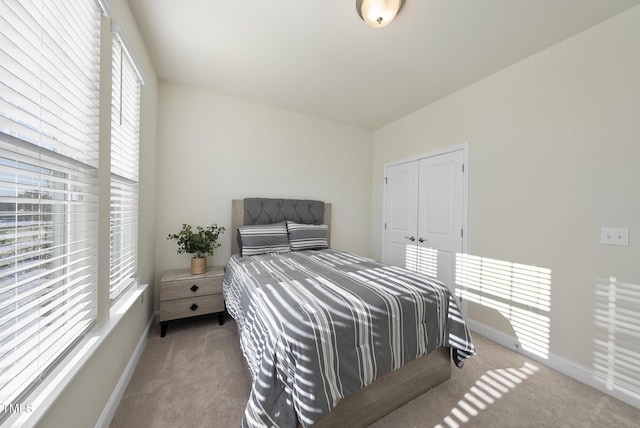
(464, 147)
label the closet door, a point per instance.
(440, 215)
(401, 215)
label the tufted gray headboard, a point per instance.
(266, 211)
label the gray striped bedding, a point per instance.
(307, 236)
(264, 238)
(316, 326)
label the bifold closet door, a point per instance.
(401, 215)
(424, 204)
(440, 215)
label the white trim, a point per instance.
(462, 146)
(114, 401)
(48, 391)
(579, 373)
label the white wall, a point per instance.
(554, 156)
(213, 148)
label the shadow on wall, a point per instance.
(422, 259)
(520, 293)
(617, 336)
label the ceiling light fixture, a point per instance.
(378, 13)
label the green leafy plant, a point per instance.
(201, 241)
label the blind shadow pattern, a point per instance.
(421, 259)
(617, 335)
(521, 293)
(491, 387)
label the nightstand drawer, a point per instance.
(190, 307)
(185, 288)
(184, 295)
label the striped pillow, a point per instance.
(264, 238)
(307, 236)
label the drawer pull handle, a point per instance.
(194, 288)
(194, 307)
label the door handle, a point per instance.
(410, 238)
(421, 240)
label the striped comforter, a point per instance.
(316, 326)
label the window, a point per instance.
(49, 113)
(125, 131)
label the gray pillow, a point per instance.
(307, 236)
(264, 238)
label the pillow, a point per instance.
(307, 236)
(263, 238)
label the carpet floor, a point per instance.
(196, 377)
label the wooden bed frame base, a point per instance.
(387, 393)
(390, 392)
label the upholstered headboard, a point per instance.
(267, 211)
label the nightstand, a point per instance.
(183, 295)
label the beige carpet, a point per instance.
(196, 377)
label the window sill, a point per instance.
(35, 405)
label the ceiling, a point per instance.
(319, 58)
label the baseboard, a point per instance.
(114, 401)
(579, 373)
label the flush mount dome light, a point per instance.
(378, 13)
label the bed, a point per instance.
(331, 338)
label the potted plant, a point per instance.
(200, 242)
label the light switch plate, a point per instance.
(614, 236)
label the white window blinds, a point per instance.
(125, 126)
(49, 108)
